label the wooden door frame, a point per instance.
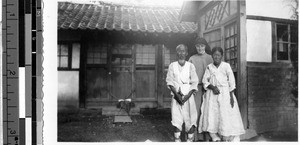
(242, 62)
(82, 73)
(160, 75)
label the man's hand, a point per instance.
(185, 98)
(178, 98)
(231, 99)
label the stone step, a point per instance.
(113, 110)
(122, 119)
(248, 134)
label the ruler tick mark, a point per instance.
(7, 121)
(12, 77)
(12, 136)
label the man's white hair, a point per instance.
(182, 45)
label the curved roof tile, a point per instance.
(104, 16)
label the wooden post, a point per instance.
(159, 77)
(82, 73)
(109, 66)
(133, 70)
(242, 62)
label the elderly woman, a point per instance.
(182, 80)
(220, 112)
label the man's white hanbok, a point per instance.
(218, 116)
(183, 78)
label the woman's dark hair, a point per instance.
(203, 41)
(217, 49)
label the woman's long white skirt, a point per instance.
(217, 115)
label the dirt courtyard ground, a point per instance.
(153, 125)
(91, 126)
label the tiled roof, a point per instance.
(107, 16)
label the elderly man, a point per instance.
(182, 80)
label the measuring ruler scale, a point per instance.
(10, 56)
(22, 73)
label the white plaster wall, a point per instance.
(68, 89)
(259, 41)
(270, 8)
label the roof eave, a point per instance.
(188, 12)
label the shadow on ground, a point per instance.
(151, 124)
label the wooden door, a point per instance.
(121, 73)
(145, 72)
(96, 79)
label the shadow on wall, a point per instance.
(67, 104)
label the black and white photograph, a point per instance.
(173, 71)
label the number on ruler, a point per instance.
(38, 13)
(12, 132)
(13, 14)
(12, 72)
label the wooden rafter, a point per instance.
(216, 13)
(220, 9)
(211, 16)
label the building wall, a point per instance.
(270, 104)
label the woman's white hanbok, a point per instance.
(217, 114)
